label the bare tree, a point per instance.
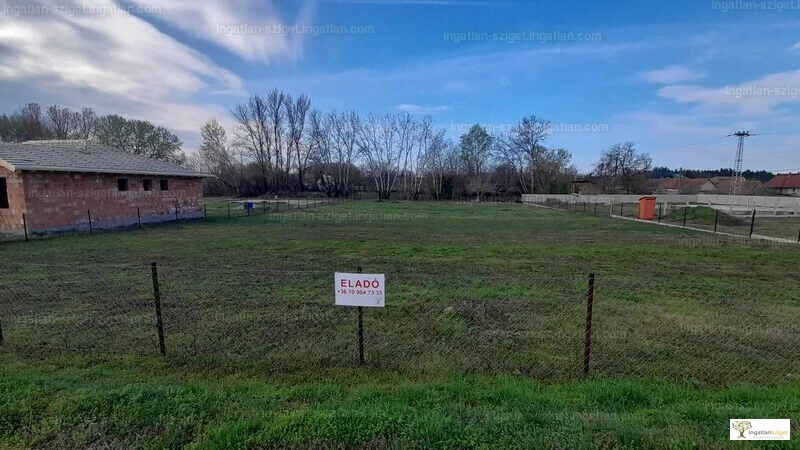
(379, 145)
(335, 140)
(276, 114)
(406, 128)
(62, 122)
(522, 149)
(217, 156)
(253, 136)
(424, 135)
(296, 113)
(435, 161)
(30, 123)
(87, 124)
(622, 168)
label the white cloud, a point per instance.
(755, 97)
(795, 47)
(250, 29)
(418, 109)
(671, 74)
(112, 62)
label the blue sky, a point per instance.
(673, 77)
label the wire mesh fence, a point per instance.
(715, 220)
(213, 210)
(238, 319)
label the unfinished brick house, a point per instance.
(50, 186)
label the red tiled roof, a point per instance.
(784, 181)
(669, 183)
(673, 183)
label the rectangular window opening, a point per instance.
(164, 185)
(4, 204)
(147, 185)
(122, 184)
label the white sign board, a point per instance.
(360, 289)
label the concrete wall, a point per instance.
(745, 201)
(751, 202)
(60, 201)
(606, 199)
(11, 218)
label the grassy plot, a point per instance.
(480, 345)
(703, 215)
(144, 406)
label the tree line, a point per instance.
(280, 144)
(665, 172)
(31, 122)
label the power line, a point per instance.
(691, 145)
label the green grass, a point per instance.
(128, 406)
(703, 215)
(480, 345)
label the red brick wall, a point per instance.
(11, 218)
(61, 200)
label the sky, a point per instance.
(673, 77)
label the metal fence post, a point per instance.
(660, 211)
(685, 211)
(205, 211)
(587, 338)
(264, 206)
(139, 216)
(157, 299)
(25, 226)
(89, 212)
(622, 209)
(716, 221)
(752, 223)
(798, 237)
(360, 333)
(1, 335)
(176, 212)
(595, 208)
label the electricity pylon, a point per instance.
(737, 165)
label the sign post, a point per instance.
(360, 290)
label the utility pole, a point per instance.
(737, 165)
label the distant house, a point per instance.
(686, 186)
(586, 187)
(746, 187)
(716, 185)
(785, 184)
(57, 185)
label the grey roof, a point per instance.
(85, 156)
